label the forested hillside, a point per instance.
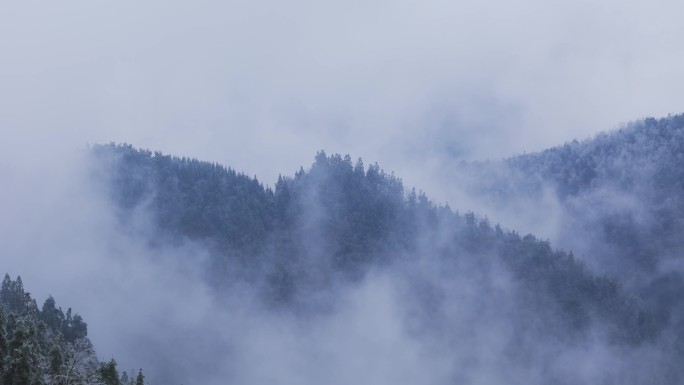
(47, 346)
(329, 226)
(623, 189)
(616, 199)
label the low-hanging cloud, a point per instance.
(411, 85)
(415, 86)
(148, 304)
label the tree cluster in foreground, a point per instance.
(47, 346)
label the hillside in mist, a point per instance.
(622, 190)
(176, 171)
(616, 199)
(47, 346)
(464, 299)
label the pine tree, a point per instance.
(140, 379)
(56, 368)
(5, 291)
(56, 360)
(23, 367)
(108, 373)
(18, 296)
(51, 315)
(3, 343)
(12, 295)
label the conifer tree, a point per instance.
(56, 369)
(5, 290)
(23, 366)
(108, 373)
(51, 315)
(3, 343)
(56, 357)
(140, 379)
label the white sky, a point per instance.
(262, 85)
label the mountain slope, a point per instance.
(616, 199)
(46, 346)
(624, 189)
(333, 223)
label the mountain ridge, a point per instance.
(338, 225)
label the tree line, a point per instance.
(47, 346)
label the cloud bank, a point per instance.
(263, 85)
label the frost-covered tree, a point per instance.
(140, 378)
(51, 315)
(4, 345)
(108, 373)
(23, 364)
(55, 373)
(45, 346)
(81, 362)
(12, 295)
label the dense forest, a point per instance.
(48, 347)
(624, 187)
(339, 268)
(335, 218)
(621, 205)
(330, 226)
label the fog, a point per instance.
(410, 85)
(261, 86)
(149, 304)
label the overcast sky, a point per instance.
(262, 85)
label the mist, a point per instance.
(261, 87)
(421, 319)
(414, 86)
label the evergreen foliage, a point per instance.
(140, 379)
(339, 219)
(621, 202)
(46, 347)
(625, 188)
